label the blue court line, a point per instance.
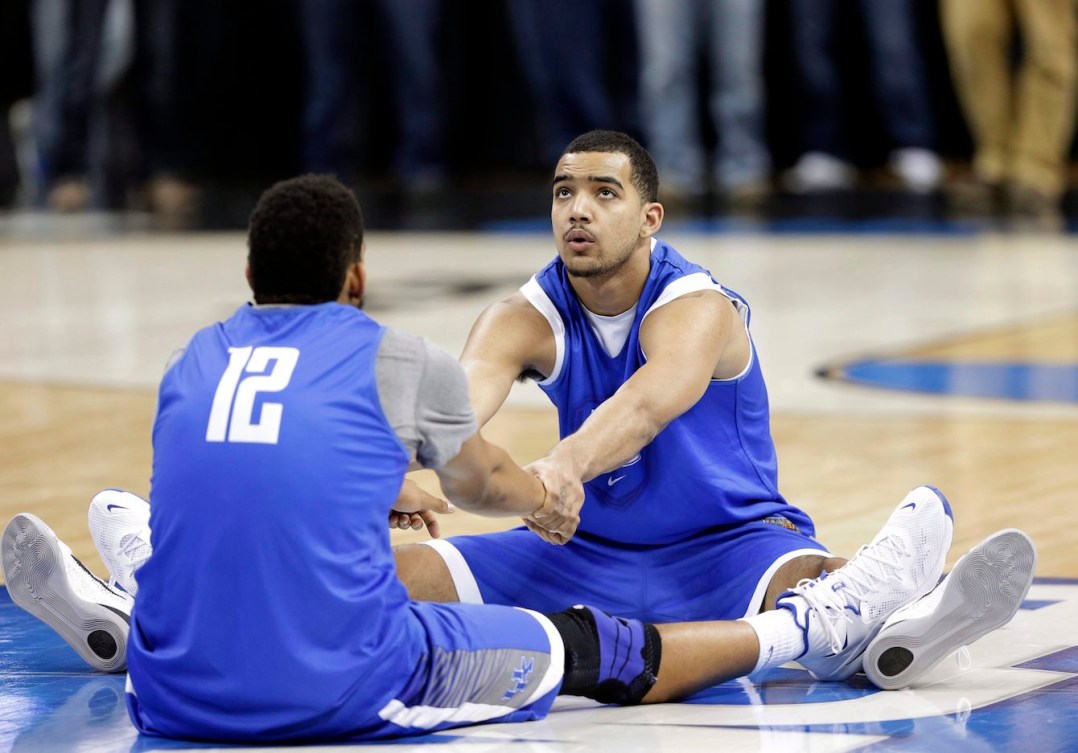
(1007, 381)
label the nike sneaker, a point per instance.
(982, 593)
(842, 611)
(45, 578)
(120, 527)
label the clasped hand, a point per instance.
(416, 508)
(558, 517)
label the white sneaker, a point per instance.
(981, 593)
(120, 527)
(816, 172)
(842, 611)
(44, 578)
(920, 170)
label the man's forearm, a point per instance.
(506, 490)
(615, 433)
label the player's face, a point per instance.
(596, 212)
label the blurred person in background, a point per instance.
(108, 123)
(331, 48)
(16, 62)
(163, 111)
(897, 81)
(1021, 120)
(578, 62)
(729, 35)
(84, 50)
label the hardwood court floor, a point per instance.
(86, 324)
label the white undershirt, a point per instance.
(612, 331)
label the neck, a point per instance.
(618, 290)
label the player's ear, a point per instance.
(653, 213)
(247, 274)
(356, 279)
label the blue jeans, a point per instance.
(896, 71)
(730, 32)
(563, 46)
(331, 42)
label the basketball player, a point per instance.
(268, 609)
(666, 459)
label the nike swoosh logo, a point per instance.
(109, 508)
(612, 481)
(911, 505)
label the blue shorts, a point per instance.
(718, 575)
(484, 663)
(462, 664)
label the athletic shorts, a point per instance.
(718, 575)
(486, 663)
(471, 664)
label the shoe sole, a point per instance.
(37, 582)
(983, 593)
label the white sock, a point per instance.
(781, 639)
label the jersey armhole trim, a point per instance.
(691, 283)
(537, 297)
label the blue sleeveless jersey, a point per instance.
(712, 467)
(270, 608)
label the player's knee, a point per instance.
(608, 659)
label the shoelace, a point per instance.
(962, 659)
(831, 604)
(136, 549)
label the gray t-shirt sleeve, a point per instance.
(424, 395)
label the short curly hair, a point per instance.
(644, 174)
(302, 236)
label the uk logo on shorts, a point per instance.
(520, 677)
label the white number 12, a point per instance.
(236, 394)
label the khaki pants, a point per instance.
(1021, 121)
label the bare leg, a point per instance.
(801, 568)
(424, 573)
(697, 655)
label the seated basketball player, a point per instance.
(666, 459)
(268, 608)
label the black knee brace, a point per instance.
(609, 659)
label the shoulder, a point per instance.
(397, 345)
(403, 349)
(523, 310)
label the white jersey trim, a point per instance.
(691, 283)
(467, 588)
(537, 297)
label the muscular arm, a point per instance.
(508, 339)
(688, 342)
(483, 478)
(475, 474)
